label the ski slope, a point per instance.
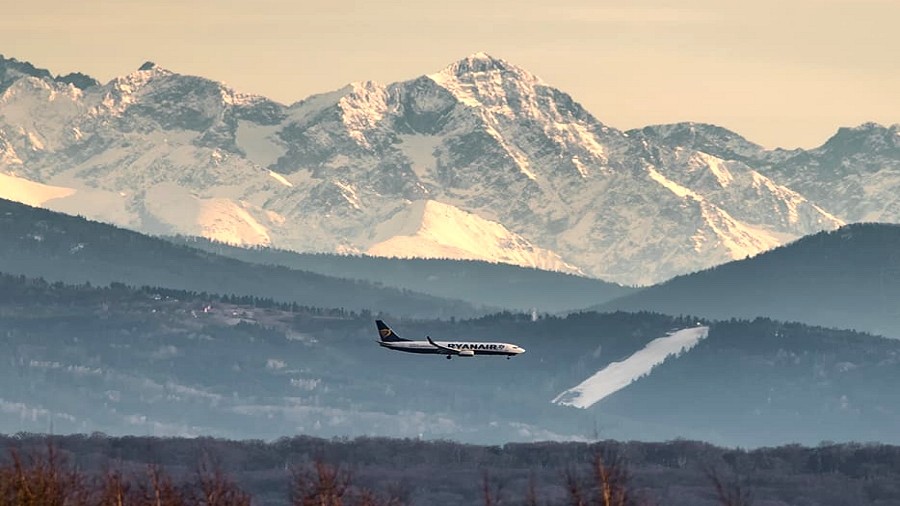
(619, 375)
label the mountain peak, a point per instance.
(867, 128)
(688, 128)
(706, 137)
(479, 62)
(147, 70)
(484, 71)
(867, 136)
(12, 69)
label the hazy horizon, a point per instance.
(783, 74)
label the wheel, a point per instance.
(449, 357)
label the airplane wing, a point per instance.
(443, 348)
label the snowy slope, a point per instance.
(619, 375)
(28, 192)
(162, 152)
(430, 229)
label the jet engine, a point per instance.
(467, 353)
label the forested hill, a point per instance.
(57, 247)
(491, 284)
(167, 362)
(848, 278)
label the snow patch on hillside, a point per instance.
(217, 218)
(281, 179)
(28, 192)
(259, 142)
(106, 206)
(618, 375)
(362, 109)
(670, 185)
(350, 195)
(580, 135)
(739, 239)
(419, 149)
(430, 229)
(717, 167)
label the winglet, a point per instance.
(447, 349)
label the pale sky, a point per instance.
(783, 73)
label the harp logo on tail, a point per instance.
(385, 332)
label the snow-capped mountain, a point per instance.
(480, 160)
(427, 229)
(12, 70)
(856, 173)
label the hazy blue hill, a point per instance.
(188, 363)
(762, 380)
(58, 247)
(496, 285)
(166, 362)
(848, 278)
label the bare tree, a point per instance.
(113, 490)
(730, 493)
(40, 479)
(158, 490)
(216, 488)
(608, 483)
(323, 485)
(611, 479)
(574, 488)
(531, 497)
(492, 489)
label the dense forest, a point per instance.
(378, 471)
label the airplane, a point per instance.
(390, 340)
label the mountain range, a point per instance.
(481, 160)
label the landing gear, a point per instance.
(508, 357)
(449, 357)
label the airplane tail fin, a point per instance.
(386, 334)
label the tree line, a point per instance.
(46, 478)
(85, 470)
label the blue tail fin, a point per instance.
(386, 334)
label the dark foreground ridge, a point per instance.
(372, 471)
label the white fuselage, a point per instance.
(461, 348)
